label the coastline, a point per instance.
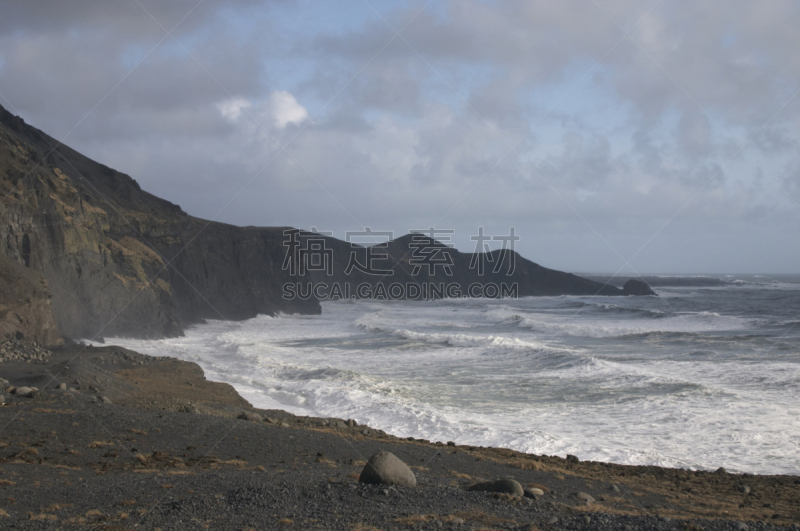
(170, 447)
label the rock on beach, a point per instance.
(386, 468)
(503, 485)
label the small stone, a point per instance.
(745, 489)
(573, 459)
(62, 386)
(388, 469)
(585, 498)
(587, 519)
(553, 520)
(741, 526)
(24, 391)
(104, 399)
(504, 485)
(457, 521)
(249, 415)
(451, 443)
(534, 493)
(720, 470)
(614, 488)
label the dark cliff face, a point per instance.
(120, 261)
(25, 311)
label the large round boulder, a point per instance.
(386, 468)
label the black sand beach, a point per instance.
(137, 442)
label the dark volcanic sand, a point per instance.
(168, 452)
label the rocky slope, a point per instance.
(25, 311)
(120, 261)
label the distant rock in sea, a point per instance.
(637, 287)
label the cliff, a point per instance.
(25, 311)
(119, 261)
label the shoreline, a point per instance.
(161, 407)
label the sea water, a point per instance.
(698, 377)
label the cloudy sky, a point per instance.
(613, 135)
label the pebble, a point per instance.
(24, 391)
(587, 519)
(105, 400)
(249, 415)
(585, 498)
(503, 485)
(745, 489)
(553, 520)
(741, 526)
(16, 350)
(191, 408)
(614, 488)
(62, 386)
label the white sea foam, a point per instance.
(630, 380)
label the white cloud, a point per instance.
(285, 110)
(231, 109)
(409, 127)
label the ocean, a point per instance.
(701, 377)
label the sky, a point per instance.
(618, 136)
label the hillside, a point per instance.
(114, 260)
